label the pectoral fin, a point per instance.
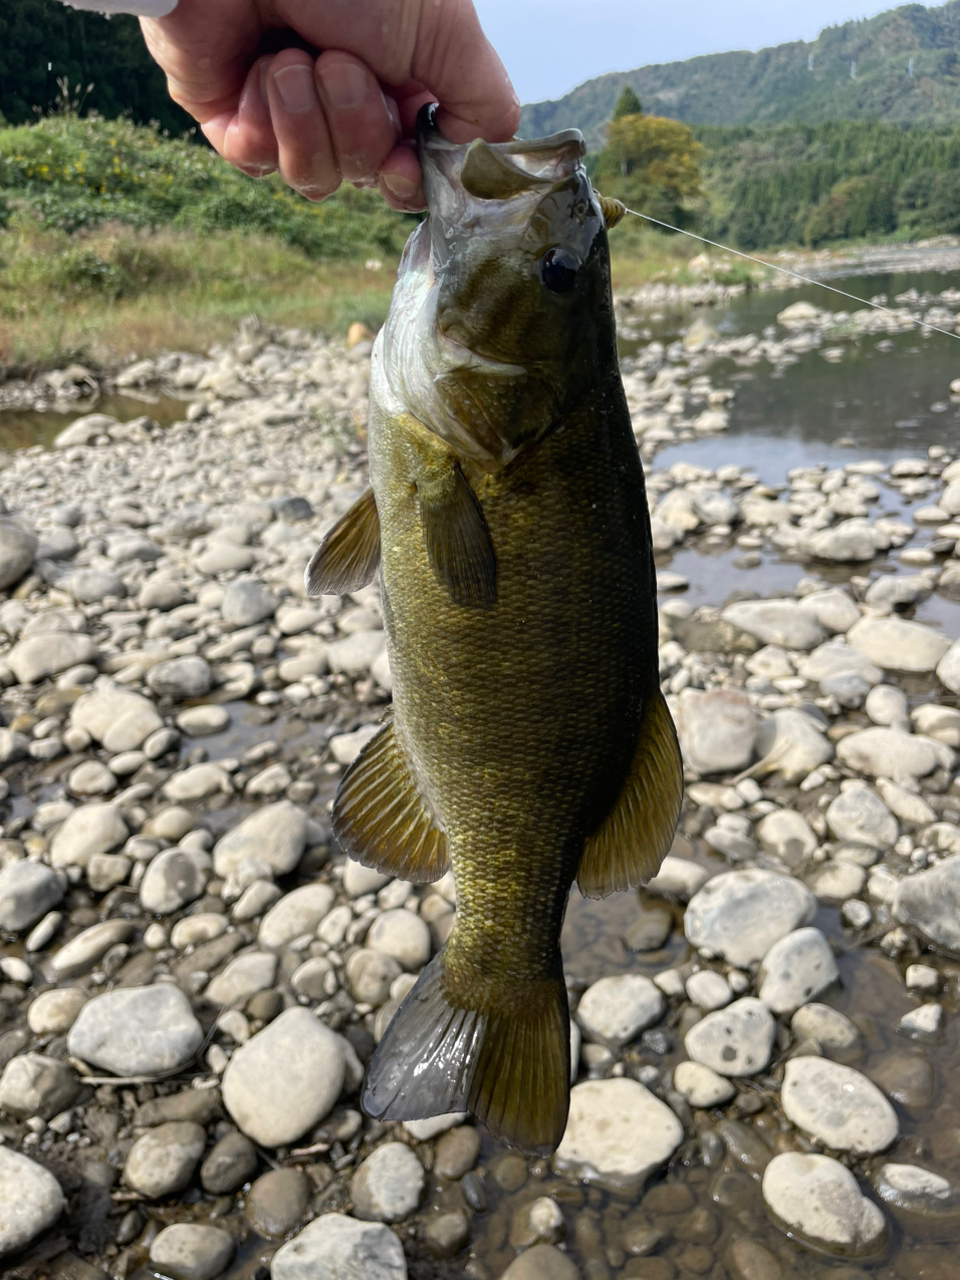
(380, 817)
(458, 542)
(348, 557)
(629, 845)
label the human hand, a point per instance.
(348, 114)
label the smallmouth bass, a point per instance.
(529, 744)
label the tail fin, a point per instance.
(511, 1068)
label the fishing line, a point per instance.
(864, 302)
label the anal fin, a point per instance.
(458, 542)
(629, 845)
(381, 819)
(348, 557)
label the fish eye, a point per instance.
(558, 269)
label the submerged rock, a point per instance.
(820, 1201)
(617, 1135)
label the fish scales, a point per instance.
(528, 744)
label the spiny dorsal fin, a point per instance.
(629, 845)
(348, 557)
(380, 818)
(458, 542)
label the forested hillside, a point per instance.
(900, 66)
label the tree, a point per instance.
(628, 104)
(652, 164)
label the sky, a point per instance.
(551, 46)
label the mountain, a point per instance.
(901, 66)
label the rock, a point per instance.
(31, 1198)
(885, 704)
(445, 1234)
(833, 609)
(222, 556)
(191, 1251)
(246, 601)
(137, 1031)
(650, 931)
(850, 540)
(543, 1262)
(898, 645)
(735, 1041)
(188, 677)
(55, 1011)
(796, 969)
(277, 1201)
(354, 655)
(172, 879)
(923, 1024)
(750, 1260)
(93, 828)
(678, 878)
(296, 914)
(229, 1165)
(540, 1221)
(28, 890)
(275, 833)
(781, 622)
(838, 1105)
(617, 1135)
(818, 1200)
(739, 915)
(335, 1247)
(307, 1056)
(890, 753)
(717, 730)
(32, 1085)
(345, 747)
(930, 902)
(200, 722)
(914, 1190)
(198, 782)
(791, 743)
(91, 778)
(370, 975)
(359, 880)
(403, 936)
(613, 1011)
(832, 1030)
(859, 816)
(84, 430)
(81, 953)
(948, 668)
(787, 835)
(161, 591)
(388, 1185)
(835, 658)
(245, 975)
(18, 546)
(40, 656)
(700, 1086)
(91, 586)
(162, 1160)
(709, 990)
(456, 1152)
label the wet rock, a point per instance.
(851, 540)
(188, 677)
(832, 1030)
(739, 915)
(229, 1165)
(162, 1160)
(246, 602)
(701, 1086)
(780, 622)
(613, 1011)
(27, 892)
(542, 1262)
(137, 1031)
(200, 722)
(445, 1234)
(118, 718)
(80, 954)
(890, 753)
(93, 828)
(299, 1049)
(18, 546)
(797, 969)
(198, 1105)
(930, 902)
(245, 975)
(750, 1260)
(31, 1198)
(819, 1200)
(617, 1135)
(33, 1085)
(717, 730)
(191, 1251)
(859, 816)
(838, 1105)
(456, 1152)
(791, 743)
(41, 656)
(650, 931)
(898, 645)
(275, 833)
(388, 1185)
(403, 936)
(917, 1191)
(54, 1012)
(923, 1024)
(335, 1247)
(541, 1221)
(297, 913)
(277, 1201)
(736, 1041)
(172, 879)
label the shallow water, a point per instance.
(21, 428)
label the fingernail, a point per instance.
(344, 84)
(295, 87)
(400, 188)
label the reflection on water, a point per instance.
(21, 428)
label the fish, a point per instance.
(528, 744)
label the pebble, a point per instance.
(833, 1031)
(717, 730)
(678, 878)
(277, 1201)
(18, 546)
(295, 914)
(231, 1162)
(650, 931)
(201, 722)
(117, 718)
(445, 1234)
(739, 915)
(780, 622)
(838, 1105)
(173, 878)
(275, 833)
(700, 1086)
(735, 1041)
(41, 656)
(930, 902)
(335, 1247)
(541, 1221)
(898, 645)
(819, 1200)
(913, 1190)
(243, 976)
(948, 668)
(456, 1152)
(297, 1048)
(795, 970)
(34, 1085)
(27, 892)
(709, 990)
(792, 744)
(137, 1031)
(388, 1185)
(92, 828)
(246, 601)
(54, 1012)
(787, 835)
(618, 1134)
(162, 1160)
(542, 1262)
(613, 1011)
(187, 677)
(858, 815)
(890, 753)
(403, 936)
(191, 1251)
(31, 1197)
(81, 953)
(923, 1024)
